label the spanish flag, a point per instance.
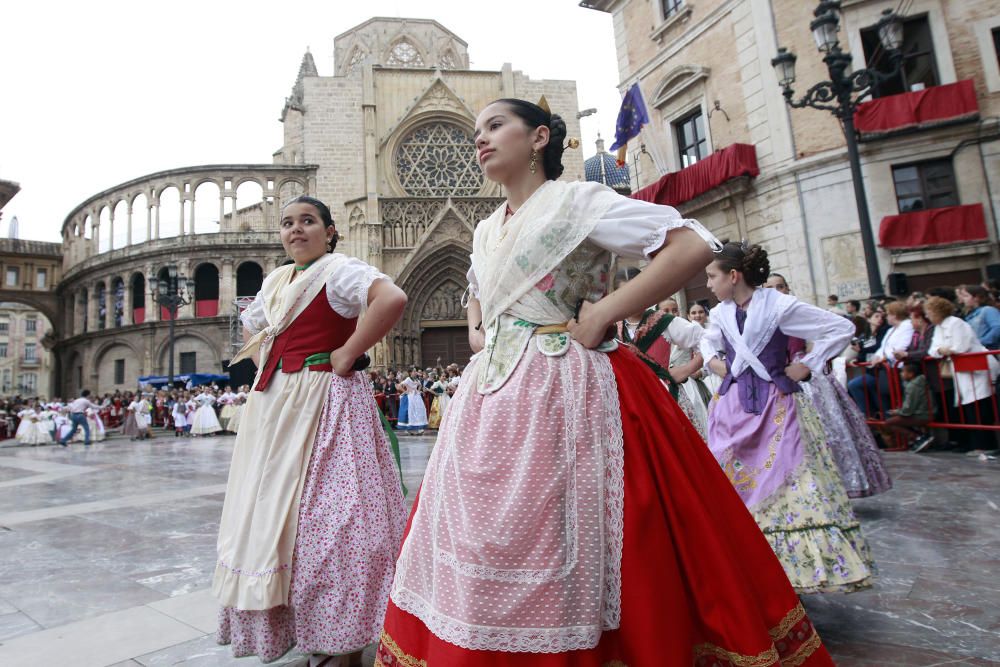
(631, 117)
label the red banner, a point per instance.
(684, 185)
(935, 226)
(928, 107)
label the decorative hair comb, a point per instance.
(544, 104)
(572, 142)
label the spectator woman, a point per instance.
(980, 315)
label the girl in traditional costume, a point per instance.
(314, 511)
(205, 421)
(765, 432)
(412, 411)
(239, 402)
(179, 413)
(228, 403)
(851, 442)
(570, 515)
(653, 334)
(439, 403)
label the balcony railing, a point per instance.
(921, 109)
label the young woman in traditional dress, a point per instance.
(314, 511)
(570, 514)
(228, 402)
(851, 442)
(653, 334)
(698, 314)
(205, 421)
(765, 432)
(412, 411)
(179, 413)
(239, 401)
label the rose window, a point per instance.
(439, 160)
(404, 54)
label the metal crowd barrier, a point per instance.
(944, 388)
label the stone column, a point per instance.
(222, 209)
(127, 312)
(184, 269)
(152, 308)
(109, 304)
(157, 218)
(111, 231)
(92, 310)
(149, 220)
(227, 287)
(180, 224)
(128, 232)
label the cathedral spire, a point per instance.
(306, 68)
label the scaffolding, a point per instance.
(240, 304)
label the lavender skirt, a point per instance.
(849, 438)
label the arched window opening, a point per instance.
(249, 278)
(102, 305)
(138, 298)
(118, 298)
(206, 291)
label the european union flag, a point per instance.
(631, 117)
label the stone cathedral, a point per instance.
(403, 99)
(385, 141)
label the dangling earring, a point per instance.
(531, 163)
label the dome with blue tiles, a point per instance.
(603, 168)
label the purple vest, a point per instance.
(753, 390)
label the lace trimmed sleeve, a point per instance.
(637, 229)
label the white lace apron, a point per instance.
(516, 542)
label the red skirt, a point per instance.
(700, 583)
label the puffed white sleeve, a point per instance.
(473, 280)
(253, 317)
(684, 334)
(711, 344)
(828, 333)
(347, 289)
(637, 229)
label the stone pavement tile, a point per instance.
(71, 592)
(877, 654)
(205, 652)
(98, 642)
(199, 609)
(16, 624)
(7, 473)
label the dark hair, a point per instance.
(913, 367)
(324, 214)
(627, 274)
(85, 393)
(977, 292)
(855, 303)
(750, 260)
(833, 297)
(535, 116)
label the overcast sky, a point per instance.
(96, 93)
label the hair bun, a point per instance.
(552, 157)
(756, 266)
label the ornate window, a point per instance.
(438, 160)
(447, 61)
(404, 54)
(357, 58)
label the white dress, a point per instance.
(32, 429)
(205, 422)
(416, 411)
(234, 421)
(179, 412)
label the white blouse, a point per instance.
(346, 291)
(633, 229)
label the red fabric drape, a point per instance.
(935, 226)
(684, 185)
(206, 308)
(139, 315)
(953, 101)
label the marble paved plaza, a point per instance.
(106, 555)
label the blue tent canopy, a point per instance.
(194, 378)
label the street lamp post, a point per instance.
(841, 95)
(172, 293)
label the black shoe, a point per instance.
(922, 443)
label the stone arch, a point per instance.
(289, 188)
(88, 226)
(168, 211)
(206, 290)
(205, 207)
(449, 261)
(104, 368)
(104, 230)
(356, 59)
(188, 340)
(120, 216)
(140, 215)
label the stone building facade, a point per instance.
(386, 142)
(704, 69)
